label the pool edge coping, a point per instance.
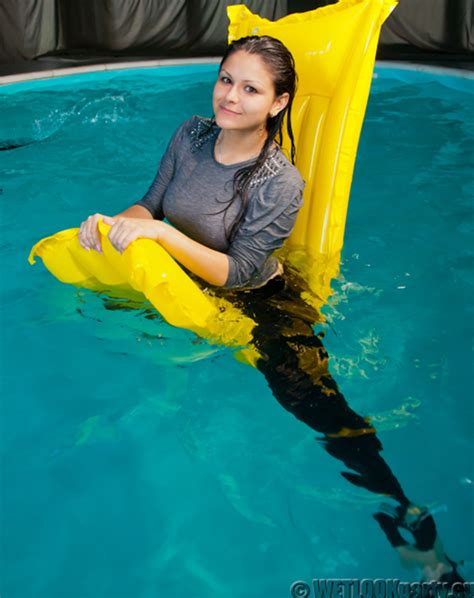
(427, 68)
(140, 64)
(97, 68)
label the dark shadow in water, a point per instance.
(11, 144)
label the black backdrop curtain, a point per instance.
(33, 28)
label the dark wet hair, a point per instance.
(281, 65)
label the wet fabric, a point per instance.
(195, 193)
(296, 367)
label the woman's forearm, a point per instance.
(135, 212)
(209, 264)
(136, 221)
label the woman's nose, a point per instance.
(232, 94)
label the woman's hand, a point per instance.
(125, 230)
(88, 233)
(137, 222)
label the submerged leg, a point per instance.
(295, 365)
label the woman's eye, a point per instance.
(250, 89)
(225, 79)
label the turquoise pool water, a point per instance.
(137, 460)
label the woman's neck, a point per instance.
(238, 146)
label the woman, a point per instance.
(231, 198)
(228, 191)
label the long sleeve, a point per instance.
(192, 191)
(153, 198)
(269, 220)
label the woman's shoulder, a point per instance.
(191, 135)
(275, 189)
(200, 123)
(197, 130)
(278, 171)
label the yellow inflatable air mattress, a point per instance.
(334, 49)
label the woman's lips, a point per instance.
(227, 111)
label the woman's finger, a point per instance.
(120, 238)
(122, 234)
(84, 235)
(128, 237)
(88, 233)
(126, 230)
(94, 232)
(114, 235)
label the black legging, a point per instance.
(295, 365)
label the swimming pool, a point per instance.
(139, 461)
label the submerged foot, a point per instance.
(426, 550)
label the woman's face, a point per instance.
(244, 93)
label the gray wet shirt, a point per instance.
(191, 190)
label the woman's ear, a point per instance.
(279, 104)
